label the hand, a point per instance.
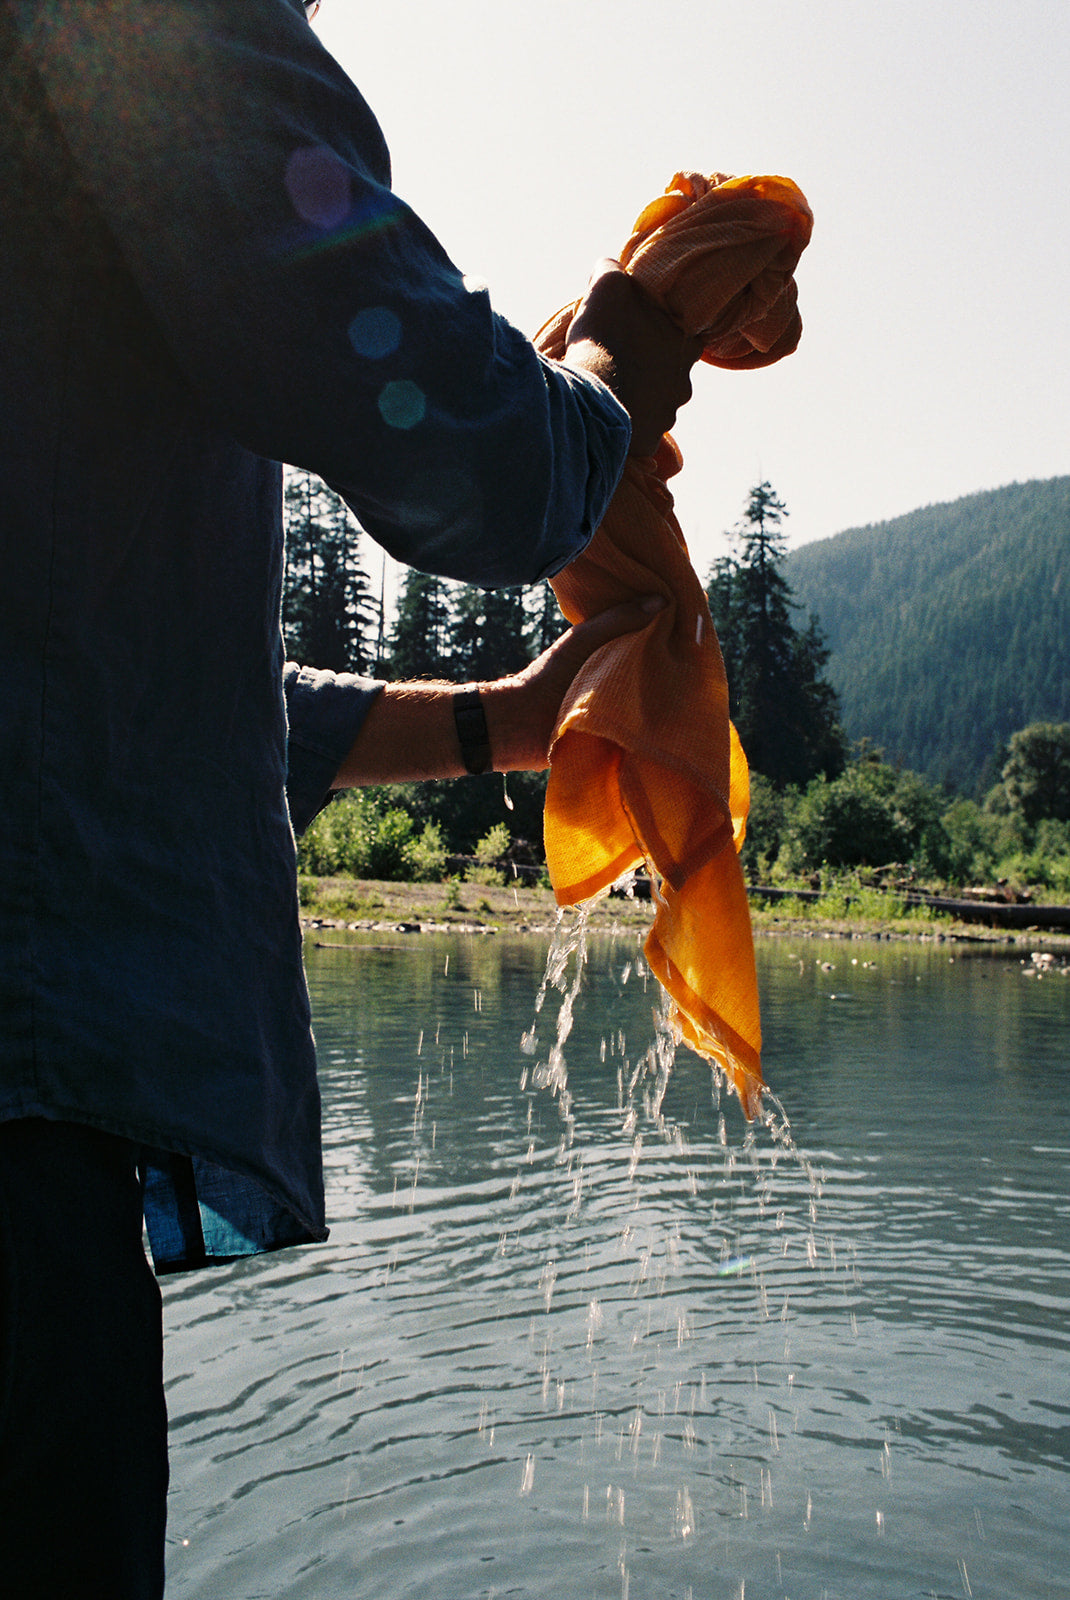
(521, 711)
(624, 337)
(409, 733)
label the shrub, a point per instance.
(488, 854)
(1044, 866)
(869, 816)
(360, 835)
(851, 821)
(426, 856)
(976, 839)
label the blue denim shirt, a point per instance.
(204, 272)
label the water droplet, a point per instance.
(547, 1279)
(684, 1518)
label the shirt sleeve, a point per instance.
(325, 712)
(310, 312)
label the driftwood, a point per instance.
(991, 913)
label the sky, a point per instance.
(931, 138)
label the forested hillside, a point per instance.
(948, 628)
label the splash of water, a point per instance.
(642, 1087)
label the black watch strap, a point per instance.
(472, 735)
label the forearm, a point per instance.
(410, 734)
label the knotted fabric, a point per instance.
(645, 765)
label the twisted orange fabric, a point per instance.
(645, 764)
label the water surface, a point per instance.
(612, 1353)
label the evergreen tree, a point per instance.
(1036, 774)
(786, 714)
(948, 626)
(420, 643)
(818, 728)
(328, 612)
(488, 634)
(721, 590)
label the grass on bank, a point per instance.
(452, 902)
(843, 906)
(858, 909)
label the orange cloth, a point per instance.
(645, 764)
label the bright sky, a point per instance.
(931, 137)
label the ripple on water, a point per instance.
(535, 1347)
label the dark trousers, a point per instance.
(83, 1428)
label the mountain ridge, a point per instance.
(949, 626)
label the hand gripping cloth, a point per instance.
(645, 765)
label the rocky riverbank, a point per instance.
(487, 909)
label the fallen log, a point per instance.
(991, 913)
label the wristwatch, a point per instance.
(472, 735)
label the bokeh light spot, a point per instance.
(375, 332)
(318, 184)
(402, 404)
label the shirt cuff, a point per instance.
(325, 712)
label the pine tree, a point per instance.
(786, 714)
(328, 611)
(721, 589)
(488, 633)
(420, 639)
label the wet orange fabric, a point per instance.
(645, 764)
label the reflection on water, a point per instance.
(614, 1345)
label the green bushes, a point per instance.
(873, 822)
(489, 851)
(874, 816)
(362, 835)
(868, 816)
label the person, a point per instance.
(205, 272)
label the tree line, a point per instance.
(816, 802)
(333, 616)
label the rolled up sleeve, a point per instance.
(325, 712)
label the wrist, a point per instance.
(514, 738)
(473, 734)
